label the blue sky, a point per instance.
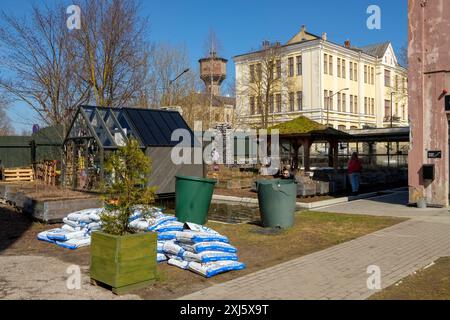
(242, 24)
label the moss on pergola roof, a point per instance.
(303, 126)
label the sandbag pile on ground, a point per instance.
(76, 231)
(188, 245)
(191, 246)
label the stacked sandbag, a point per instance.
(196, 248)
(76, 231)
(188, 246)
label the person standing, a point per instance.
(354, 172)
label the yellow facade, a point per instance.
(359, 81)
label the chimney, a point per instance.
(324, 36)
(347, 44)
(303, 28)
(265, 44)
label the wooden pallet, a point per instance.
(18, 174)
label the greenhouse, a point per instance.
(97, 131)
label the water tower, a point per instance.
(213, 71)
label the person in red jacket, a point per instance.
(354, 172)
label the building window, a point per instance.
(372, 76)
(339, 101)
(258, 72)
(351, 101)
(300, 100)
(373, 106)
(404, 112)
(396, 82)
(355, 70)
(278, 69)
(259, 105)
(341, 127)
(325, 99)
(330, 65)
(387, 78)
(351, 70)
(278, 102)
(291, 102)
(252, 105)
(344, 71)
(338, 69)
(365, 74)
(330, 94)
(252, 73)
(299, 65)
(271, 101)
(344, 103)
(291, 66)
(355, 104)
(365, 105)
(325, 64)
(387, 109)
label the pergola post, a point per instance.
(295, 146)
(333, 154)
(306, 143)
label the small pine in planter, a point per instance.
(121, 258)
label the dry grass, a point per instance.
(259, 248)
(432, 283)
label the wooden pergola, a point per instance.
(303, 131)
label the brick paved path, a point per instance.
(340, 272)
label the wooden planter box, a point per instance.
(123, 263)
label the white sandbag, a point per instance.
(198, 228)
(159, 246)
(170, 247)
(139, 224)
(70, 228)
(64, 235)
(160, 257)
(43, 235)
(170, 235)
(209, 246)
(178, 263)
(213, 268)
(73, 223)
(169, 226)
(95, 216)
(189, 236)
(75, 243)
(209, 256)
(83, 215)
(93, 226)
(156, 222)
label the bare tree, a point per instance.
(263, 82)
(403, 56)
(166, 63)
(114, 50)
(40, 60)
(5, 126)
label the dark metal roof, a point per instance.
(155, 127)
(376, 50)
(152, 127)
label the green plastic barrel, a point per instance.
(192, 198)
(277, 200)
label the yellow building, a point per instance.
(347, 87)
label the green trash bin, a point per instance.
(192, 198)
(277, 200)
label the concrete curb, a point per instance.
(300, 205)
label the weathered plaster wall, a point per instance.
(429, 75)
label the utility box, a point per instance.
(428, 172)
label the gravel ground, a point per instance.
(34, 277)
